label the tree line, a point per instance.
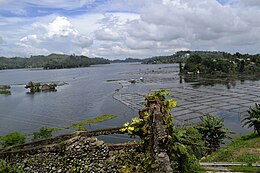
(52, 61)
(222, 63)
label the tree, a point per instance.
(253, 118)
(213, 132)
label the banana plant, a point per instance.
(213, 132)
(252, 119)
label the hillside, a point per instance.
(217, 63)
(52, 61)
(244, 150)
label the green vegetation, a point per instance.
(8, 168)
(43, 133)
(4, 89)
(221, 63)
(252, 119)
(243, 149)
(127, 60)
(16, 138)
(97, 119)
(244, 169)
(11, 139)
(38, 87)
(213, 132)
(180, 56)
(7, 92)
(182, 143)
(52, 61)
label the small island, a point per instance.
(39, 87)
(5, 89)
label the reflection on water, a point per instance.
(198, 81)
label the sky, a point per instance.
(118, 29)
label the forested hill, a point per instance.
(127, 60)
(52, 61)
(180, 56)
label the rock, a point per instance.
(161, 155)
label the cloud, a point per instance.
(83, 41)
(107, 34)
(58, 35)
(117, 29)
(1, 40)
(255, 3)
(61, 27)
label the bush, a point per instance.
(11, 139)
(43, 133)
(213, 132)
(8, 168)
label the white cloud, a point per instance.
(83, 41)
(117, 29)
(58, 35)
(30, 39)
(107, 34)
(61, 27)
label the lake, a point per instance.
(90, 92)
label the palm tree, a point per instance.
(252, 119)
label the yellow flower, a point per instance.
(130, 128)
(126, 124)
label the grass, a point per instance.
(4, 91)
(4, 87)
(244, 169)
(97, 119)
(243, 149)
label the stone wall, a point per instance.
(78, 154)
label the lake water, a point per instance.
(88, 94)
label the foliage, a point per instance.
(182, 143)
(11, 139)
(127, 60)
(221, 62)
(138, 162)
(97, 119)
(4, 91)
(243, 148)
(43, 133)
(253, 118)
(244, 169)
(141, 126)
(213, 133)
(52, 61)
(4, 87)
(8, 168)
(175, 58)
(37, 87)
